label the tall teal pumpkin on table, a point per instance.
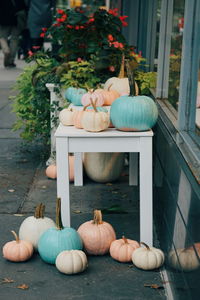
(55, 240)
(133, 113)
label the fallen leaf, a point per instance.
(23, 286)
(11, 191)
(7, 280)
(114, 192)
(76, 211)
(18, 215)
(109, 183)
(44, 187)
(154, 286)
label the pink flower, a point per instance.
(79, 59)
(111, 68)
(30, 53)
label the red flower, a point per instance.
(77, 27)
(91, 20)
(63, 18)
(60, 11)
(113, 12)
(42, 35)
(44, 29)
(30, 53)
(110, 38)
(122, 18)
(69, 26)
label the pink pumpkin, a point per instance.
(122, 249)
(95, 96)
(51, 171)
(97, 235)
(18, 250)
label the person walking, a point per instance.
(10, 29)
(39, 16)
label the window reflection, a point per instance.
(198, 101)
(175, 53)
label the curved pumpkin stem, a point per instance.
(94, 104)
(121, 72)
(58, 214)
(84, 108)
(146, 246)
(131, 79)
(108, 89)
(97, 217)
(16, 236)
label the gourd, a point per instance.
(120, 83)
(55, 240)
(133, 113)
(94, 96)
(122, 249)
(66, 116)
(103, 167)
(77, 118)
(97, 235)
(17, 250)
(108, 94)
(95, 121)
(148, 258)
(74, 95)
(71, 261)
(51, 170)
(184, 259)
(33, 227)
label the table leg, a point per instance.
(62, 162)
(78, 169)
(146, 190)
(133, 168)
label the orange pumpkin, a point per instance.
(97, 235)
(122, 249)
(108, 95)
(18, 250)
(51, 171)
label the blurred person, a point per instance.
(11, 21)
(39, 16)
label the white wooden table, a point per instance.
(72, 140)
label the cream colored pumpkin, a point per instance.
(122, 249)
(103, 167)
(95, 121)
(148, 258)
(77, 118)
(184, 259)
(71, 261)
(34, 226)
(17, 250)
(66, 116)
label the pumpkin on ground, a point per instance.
(122, 249)
(97, 235)
(133, 113)
(95, 121)
(71, 261)
(51, 170)
(148, 258)
(55, 240)
(74, 95)
(66, 116)
(103, 167)
(95, 96)
(184, 259)
(34, 226)
(17, 250)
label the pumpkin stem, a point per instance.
(94, 104)
(142, 243)
(130, 78)
(58, 214)
(84, 108)
(42, 209)
(124, 239)
(97, 217)
(16, 236)
(121, 72)
(37, 211)
(109, 87)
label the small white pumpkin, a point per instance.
(34, 226)
(148, 258)
(184, 259)
(66, 116)
(71, 261)
(95, 121)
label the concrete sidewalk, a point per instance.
(23, 185)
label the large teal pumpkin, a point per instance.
(74, 95)
(54, 240)
(133, 113)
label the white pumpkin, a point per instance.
(103, 167)
(148, 258)
(66, 116)
(184, 259)
(34, 226)
(71, 261)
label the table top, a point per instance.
(71, 131)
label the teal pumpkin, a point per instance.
(54, 240)
(133, 113)
(74, 95)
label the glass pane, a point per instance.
(157, 33)
(175, 53)
(198, 101)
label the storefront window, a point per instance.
(175, 52)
